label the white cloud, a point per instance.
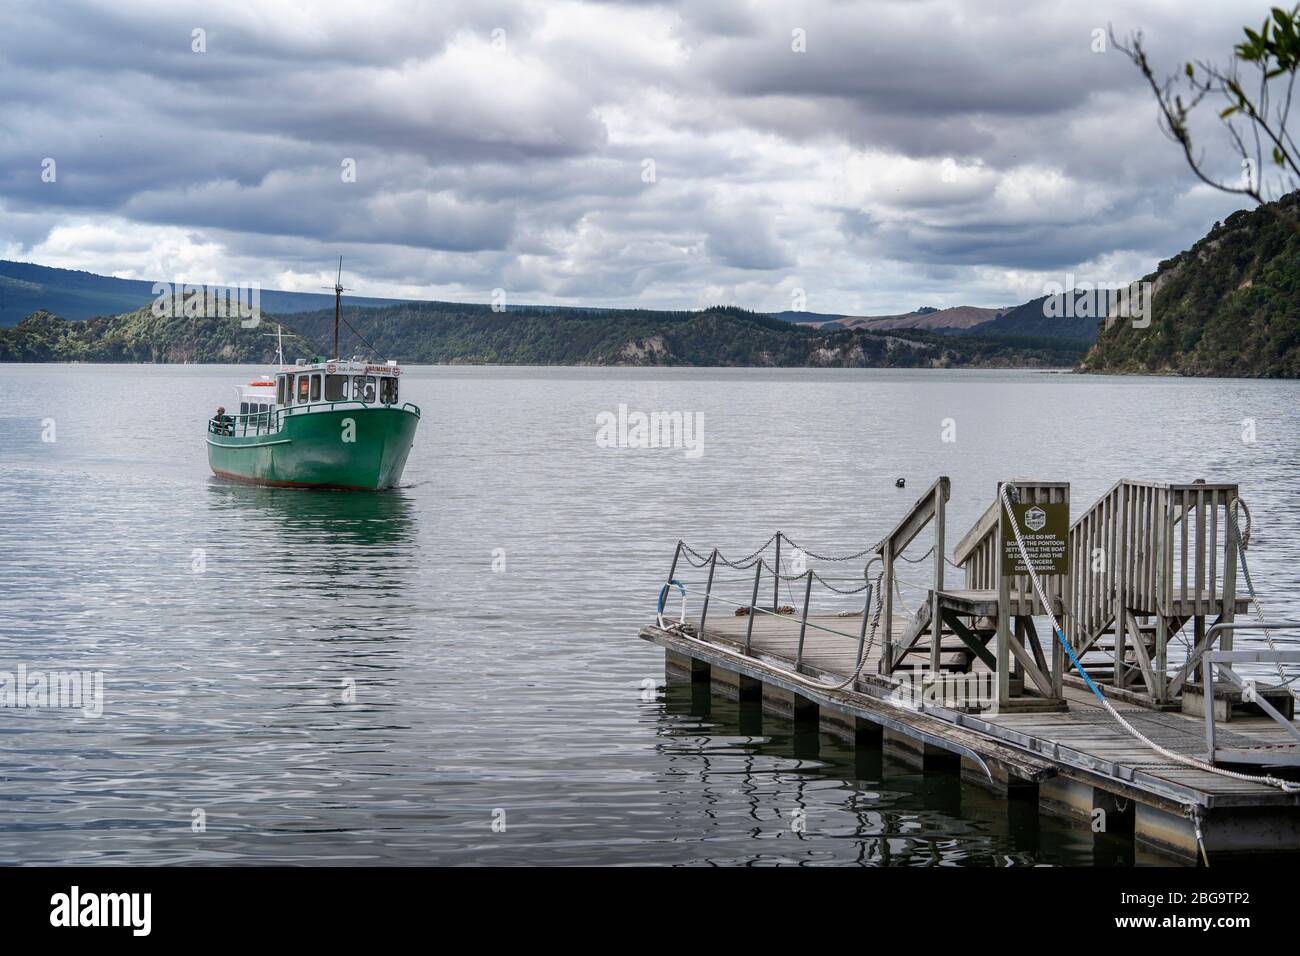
(501, 143)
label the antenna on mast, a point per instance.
(338, 306)
(279, 343)
(278, 334)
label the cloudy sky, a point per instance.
(634, 153)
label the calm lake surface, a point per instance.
(346, 679)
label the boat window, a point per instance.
(304, 382)
(282, 389)
(336, 388)
(363, 388)
(315, 387)
(243, 408)
(388, 390)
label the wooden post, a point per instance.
(1165, 542)
(887, 611)
(776, 581)
(1119, 556)
(936, 622)
(803, 623)
(1018, 636)
(753, 605)
(1198, 645)
(708, 590)
(1158, 664)
(1228, 612)
(1004, 611)
(1004, 638)
(1068, 612)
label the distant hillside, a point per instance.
(806, 318)
(957, 317)
(26, 288)
(1228, 306)
(1032, 321)
(450, 333)
(721, 336)
(1024, 325)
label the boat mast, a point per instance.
(338, 298)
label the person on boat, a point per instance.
(224, 421)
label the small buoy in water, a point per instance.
(900, 483)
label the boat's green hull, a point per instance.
(357, 448)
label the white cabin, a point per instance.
(336, 381)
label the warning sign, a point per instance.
(1045, 531)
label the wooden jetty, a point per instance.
(969, 681)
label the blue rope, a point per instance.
(1077, 666)
(663, 592)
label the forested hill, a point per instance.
(432, 332)
(1229, 306)
(721, 336)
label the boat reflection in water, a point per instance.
(311, 545)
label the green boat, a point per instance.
(324, 424)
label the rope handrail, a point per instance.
(866, 636)
(759, 609)
(799, 576)
(699, 559)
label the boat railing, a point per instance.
(270, 422)
(250, 424)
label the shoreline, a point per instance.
(1045, 369)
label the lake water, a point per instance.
(343, 678)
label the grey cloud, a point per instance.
(519, 164)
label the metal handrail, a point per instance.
(260, 423)
(753, 609)
(1210, 657)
